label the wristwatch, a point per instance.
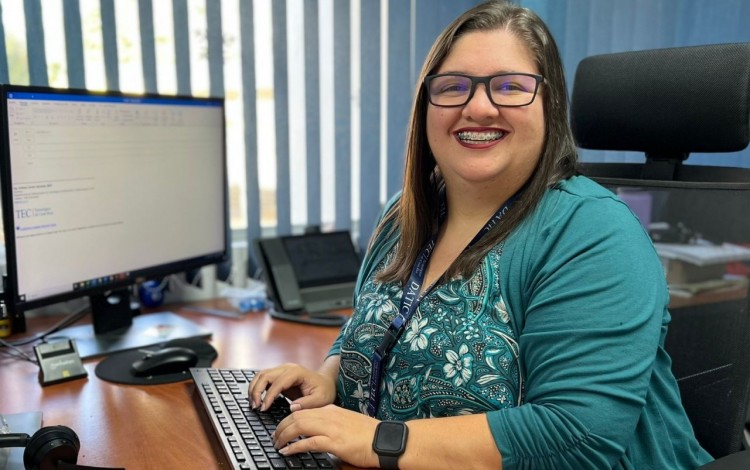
(390, 442)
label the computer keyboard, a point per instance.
(245, 434)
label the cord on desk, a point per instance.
(65, 322)
(10, 348)
(16, 352)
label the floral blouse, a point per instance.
(458, 354)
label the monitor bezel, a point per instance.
(15, 306)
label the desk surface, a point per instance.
(156, 426)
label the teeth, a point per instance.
(480, 136)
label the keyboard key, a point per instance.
(309, 463)
(278, 463)
(293, 462)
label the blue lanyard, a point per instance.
(411, 298)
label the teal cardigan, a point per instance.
(587, 300)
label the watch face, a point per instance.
(390, 438)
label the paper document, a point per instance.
(702, 255)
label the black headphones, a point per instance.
(50, 448)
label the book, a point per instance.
(682, 272)
(714, 285)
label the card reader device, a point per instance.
(59, 362)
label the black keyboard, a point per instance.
(245, 434)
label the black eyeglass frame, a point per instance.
(486, 81)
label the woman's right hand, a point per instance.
(307, 388)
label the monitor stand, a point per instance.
(148, 329)
(115, 329)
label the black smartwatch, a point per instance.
(390, 443)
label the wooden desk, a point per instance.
(705, 298)
(157, 426)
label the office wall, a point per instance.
(343, 76)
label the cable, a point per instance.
(11, 348)
(16, 352)
(65, 322)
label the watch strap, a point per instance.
(388, 462)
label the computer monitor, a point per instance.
(103, 190)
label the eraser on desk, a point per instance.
(59, 362)
(252, 304)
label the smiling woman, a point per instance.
(494, 138)
(493, 286)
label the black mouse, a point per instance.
(165, 361)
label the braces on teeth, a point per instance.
(480, 136)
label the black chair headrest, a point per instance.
(664, 101)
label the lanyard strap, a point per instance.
(411, 298)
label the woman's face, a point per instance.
(481, 143)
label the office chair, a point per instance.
(668, 103)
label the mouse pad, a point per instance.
(116, 368)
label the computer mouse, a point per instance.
(165, 361)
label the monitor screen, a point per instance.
(104, 190)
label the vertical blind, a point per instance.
(385, 39)
(360, 60)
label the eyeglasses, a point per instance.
(505, 89)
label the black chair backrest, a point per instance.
(664, 102)
(668, 103)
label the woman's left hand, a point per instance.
(345, 433)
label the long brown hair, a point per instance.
(415, 216)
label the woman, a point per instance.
(508, 313)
